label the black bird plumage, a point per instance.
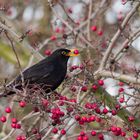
(48, 73)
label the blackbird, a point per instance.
(48, 73)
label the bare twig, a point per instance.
(35, 122)
(118, 76)
(89, 20)
(93, 15)
(71, 28)
(17, 37)
(48, 132)
(128, 42)
(116, 36)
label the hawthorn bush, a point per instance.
(100, 96)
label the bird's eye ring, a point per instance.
(64, 53)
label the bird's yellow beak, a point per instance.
(73, 52)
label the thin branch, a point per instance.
(118, 76)
(71, 28)
(89, 20)
(116, 36)
(14, 50)
(35, 122)
(17, 39)
(126, 42)
(93, 15)
(48, 132)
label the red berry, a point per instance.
(119, 130)
(61, 103)
(36, 109)
(34, 131)
(45, 102)
(62, 113)
(135, 135)
(82, 133)
(23, 137)
(93, 133)
(63, 132)
(124, 2)
(98, 119)
(94, 87)
(18, 126)
(121, 100)
(77, 117)
(97, 110)
(81, 66)
(13, 125)
(93, 28)
(88, 120)
(74, 67)
(105, 110)
(117, 106)
(88, 105)
(85, 137)
(22, 103)
(48, 52)
(79, 138)
(114, 112)
(121, 89)
(131, 118)
(57, 30)
(14, 120)
(101, 82)
(121, 83)
(8, 110)
(92, 118)
(101, 136)
(3, 119)
(94, 105)
(76, 51)
(73, 88)
(123, 134)
(18, 138)
(113, 129)
(81, 122)
(100, 32)
(69, 109)
(54, 130)
(73, 100)
(84, 119)
(53, 38)
(84, 88)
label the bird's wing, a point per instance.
(34, 74)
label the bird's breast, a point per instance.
(57, 77)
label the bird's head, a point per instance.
(66, 53)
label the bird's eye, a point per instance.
(64, 53)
